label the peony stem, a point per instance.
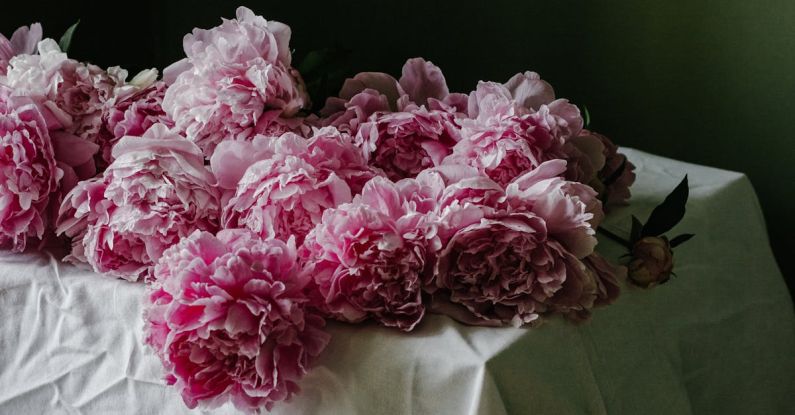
(614, 237)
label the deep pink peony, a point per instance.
(28, 171)
(155, 192)
(367, 258)
(233, 74)
(22, 42)
(402, 144)
(229, 318)
(132, 116)
(285, 193)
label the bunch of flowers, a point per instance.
(253, 221)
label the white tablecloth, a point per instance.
(719, 339)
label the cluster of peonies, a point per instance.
(252, 221)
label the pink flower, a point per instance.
(23, 42)
(228, 317)
(348, 115)
(28, 171)
(502, 269)
(403, 144)
(156, 191)
(284, 193)
(234, 73)
(503, 148)
(367, 258)
(507, 254)
(74, 92)
(571, 210)
(132, 116)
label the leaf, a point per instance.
(66, 39)
(637, 229)
(668, 213)
(324, 71)
(586, 116)
(679, 240)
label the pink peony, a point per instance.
(502, 269)
(367, 258)
(228, 317)
(285, 193)
(23, 42)
(156, 191)
(507, 254)
(571, 210)
(28, 171)
(234, 73)
(585, 158)
(348, 115)
(75, 93)
(403, 144)
(132, 116)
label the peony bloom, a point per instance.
(228, 317)
(22, 42)
(75, 93)
(502, 269)
(155, 192)
(28, 171)
(402, 144)
(509, 254)
(233, 74)
(132, 116)
(585, 158)
(285, 193)
(505, 140)
(367, 258)
(571, 210)
(652, 261)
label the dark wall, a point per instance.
(710, 82)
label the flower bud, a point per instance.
(652, 261)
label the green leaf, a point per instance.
(679, 240)
(668, 213)
(637, 229)
(66, 39)
(586, 116)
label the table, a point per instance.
(719, 339)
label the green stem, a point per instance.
(614, 237)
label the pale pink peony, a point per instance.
(233, 74)
(28, 171)
(156, 191)
(284, 193)
(22, 42)
(228, 317)
(348, 115)
(571, 210)
(367, 258)
(75, 93)
(132, 116)
(503, 148)
(403, 144)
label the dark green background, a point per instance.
(709, 82)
